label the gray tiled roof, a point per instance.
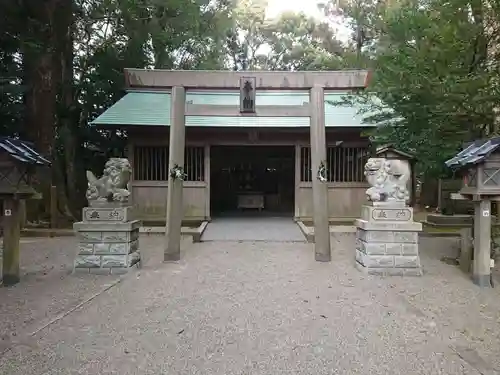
(22, 151)
(474, 153)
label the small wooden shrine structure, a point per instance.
(479, 165)
(18, 161)
(240, 127)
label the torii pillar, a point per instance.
(320, 189)
(175, 210)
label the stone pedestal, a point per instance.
(108, 240)
(387, 240)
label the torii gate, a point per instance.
(316, 82)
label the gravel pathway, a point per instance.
(270, 229)
(46, 288)
(269, 308)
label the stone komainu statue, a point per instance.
(388, 179)
(113, 186)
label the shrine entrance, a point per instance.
(252, 180)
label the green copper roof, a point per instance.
(153, 109)
(138, 108)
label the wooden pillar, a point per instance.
(53, 207)
(207, 181)
(297, 183)
(320, 189)
(175, 211)
(440, 194)
(413, 196)
(22, 214)
(10, 270)
(129, 154)
(466, 249)
(482, 244)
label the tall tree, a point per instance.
(430, 71)
(62, 61)
(245, 37)
(42, 76)
(295, 41)
(366, 21)
(291, 41)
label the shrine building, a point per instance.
(247, 141)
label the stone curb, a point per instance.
(196, 233)
(308, 232)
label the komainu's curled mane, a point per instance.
(113, 185)
(388, 179)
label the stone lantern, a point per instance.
(18, 162)
(479, 165)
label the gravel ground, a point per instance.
(46, 288)
(269, 308)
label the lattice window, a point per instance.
(305, 164)
(345, 164)
(491, 177)
(194, 163)
(151, 163)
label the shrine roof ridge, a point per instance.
(474, 153)
(22, 151)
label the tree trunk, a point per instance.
(65, 177)
(43, 72)
(40, 115)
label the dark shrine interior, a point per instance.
(261, 176)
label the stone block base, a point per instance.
(387, 242)
(105, 271)
(389, 271)
(107, 247)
